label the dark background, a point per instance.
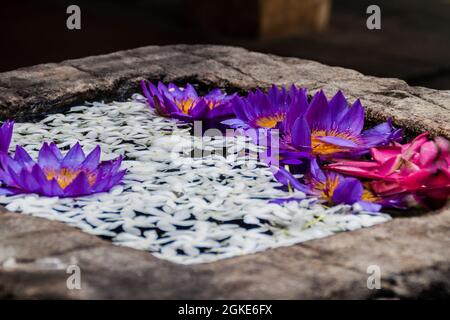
(413, 44)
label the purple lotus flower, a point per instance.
(185, 104)
(335, 188)
(6, 131)
(330, 129)
(263, 110)
(53, 174)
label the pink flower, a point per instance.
(420, 168)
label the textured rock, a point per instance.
(51, 87)
(412, 252)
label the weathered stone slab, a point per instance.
(412, 252)
(50, 87)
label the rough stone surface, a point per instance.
(412, 252)
(51, 87)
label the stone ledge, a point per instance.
(52, 87)
(412, 251)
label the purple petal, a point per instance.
(181, 116)
(147, 93)
(287, 156)
(381, 134)
(317, 173)
(339, 107)
(23, 158)
(78, 187)
(337, 141)
(215, 94)
(166, 106)
(200, 110)
(291, 161)
(298, 108)
(286, 178)
(116, 179)
(353, 119)
(253, 106)
(319, 112)
(53, 189)
(47, 158)
(28, 182)
(5, 177)
(15, 177)
(221, 111)
(348, 191)
(74, 157)
(92, 160)
(7, 162)
(280, 201)
(46, 186)
(190, 92)
(369, 206)
(56, 151)
(162, 89)
(8, 191)
(238, 107)
(6, 132)
(301, 134)
(235, 123)
(154, 90)
(109, 167)
(102, 185)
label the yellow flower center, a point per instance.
(270, 122)
(211, 104)
(369, 196)
(323, 148)
(327, 187)
(65, 176)
(185, 105)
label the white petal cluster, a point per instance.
(181, 208)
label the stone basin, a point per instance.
(412, 250)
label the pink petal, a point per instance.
(384, 153)
(387, 187)
(390, 166)
(409, 149)
(428, 153)
(354, 171)
(443, 145)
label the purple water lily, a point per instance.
(185, 103)
(6, 131)
(263, 110)
(334, 188)
(53, 174)
(331, 129)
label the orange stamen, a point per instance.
(323, 148)
(185, 105)
(270, 121)
(65, 176)
(327, 188)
